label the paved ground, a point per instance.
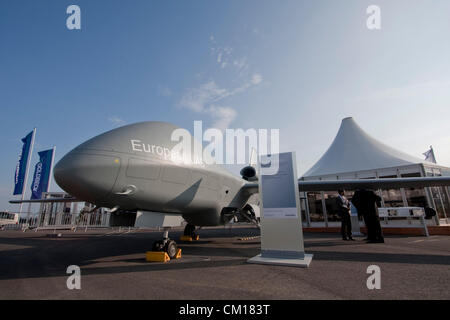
(33, 266)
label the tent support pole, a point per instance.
(308, 217)
(324, 208)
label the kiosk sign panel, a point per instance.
(281, 224)
(279, 200)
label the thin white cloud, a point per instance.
(241, 65)
(197, 99)
(116, 121)
(225, 57)
(223, 116)
(257, 79)
(206, 97)
(223, 54)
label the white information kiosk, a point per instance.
(281, 221)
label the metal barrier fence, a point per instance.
(12, 226)
(66, 220)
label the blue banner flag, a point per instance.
(41, 177)
(22, 163)
(429, 155)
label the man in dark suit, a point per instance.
(343, 206)
(365, 202)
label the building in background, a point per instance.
(356, 155)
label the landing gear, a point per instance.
(166, 245)
(171, 248)
(189, 231)
(248, 213)
(158, 245)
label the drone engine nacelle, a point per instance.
(249, 173)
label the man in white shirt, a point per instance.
(344, 212)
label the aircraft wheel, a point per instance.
(158, 245)
(171, 248)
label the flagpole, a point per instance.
(51, 169)
(24, 190)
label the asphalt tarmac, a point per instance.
(33, 265)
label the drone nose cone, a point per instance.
(86, 176)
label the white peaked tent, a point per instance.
(354, 150)
(354, 154)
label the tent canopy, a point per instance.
(354, 150)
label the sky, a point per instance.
(297, 66)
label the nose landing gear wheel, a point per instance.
(171, 248)
(166, 245)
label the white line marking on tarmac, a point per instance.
(130, 231)
(427, 240)
(109, 233)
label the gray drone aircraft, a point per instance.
(131, 168)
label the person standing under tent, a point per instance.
(344, 212)
(365, 202)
